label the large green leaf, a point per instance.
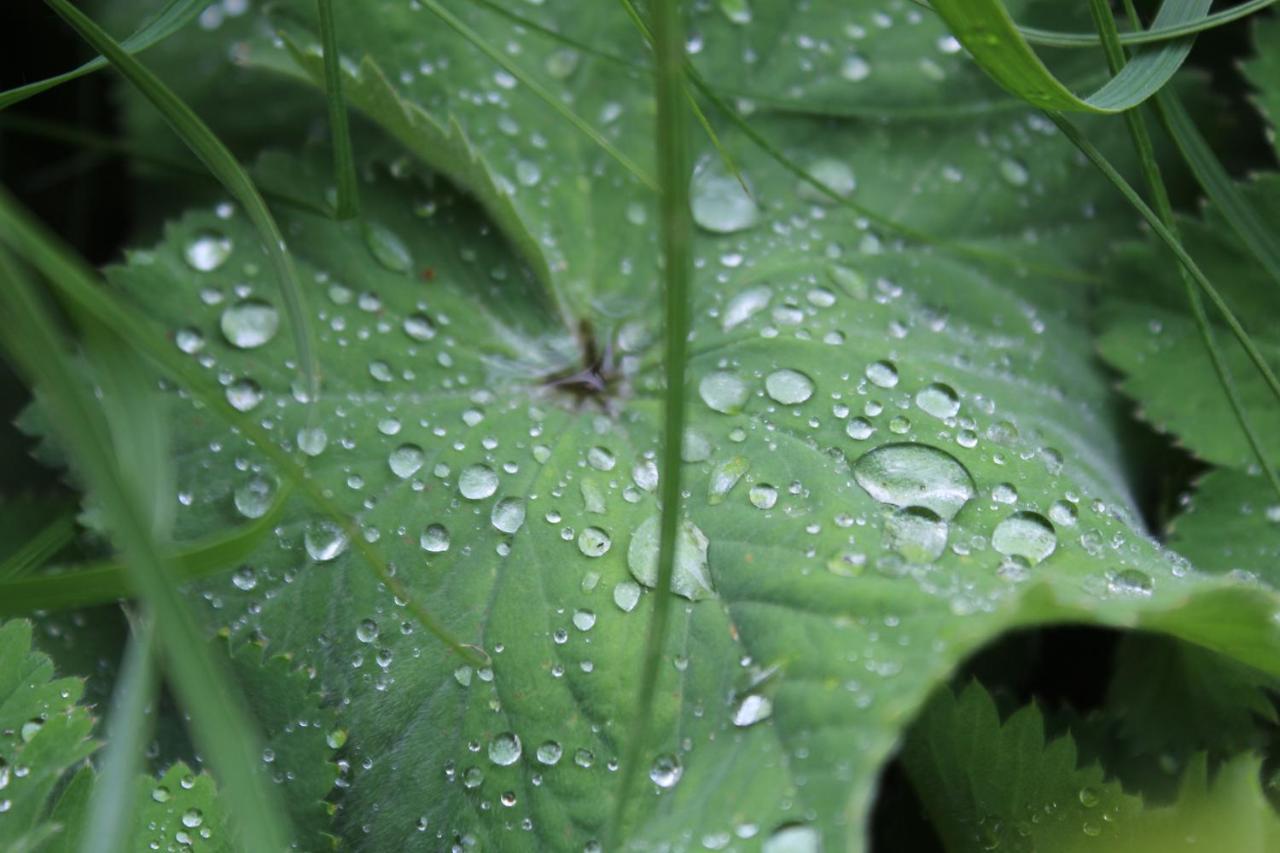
(898, 450)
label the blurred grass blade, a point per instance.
(985, 28)
(458, 26)
(344, 163)
(1053, 38)
(1218, 185)
(676, 236)
(534, 26)
(108, 580)
(220, 723)
(175, 15)
(37, 550)
(202, 142)
(1090, 151)
(111, 806)
(79, 287)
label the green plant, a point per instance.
(400, 430)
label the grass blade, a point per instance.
(1156, 33)
(985, 28)
(111, 806)
(344, 163)
(672, 142)
(79, 287)
(220, 723)
(202, 142)
(172, 17)
(37, 550)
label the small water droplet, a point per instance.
(1130, 582)
(406, 460)
(883, 373)
(367, 631)
(435, 539)
(419, 327)
(833, 174)
(312, 440)
(505, 749)
(601, 458)
(207, 251)
(626, 594)
(244, 395)
(745, 305)
(793, 839)
(387, 247)
(763, 496)
(477, 482)
(666, 771)
(594, 542)
(250, 323)
(752, 709)
(724, 392)
(253, 499)
(549, 753)
(1025, 534)
(859, 429)
(724, 476)
(324, 541)
(939, 400)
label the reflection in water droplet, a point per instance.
(719, 202)
(939, 400)
(253, 499)
(918, 534)
(594, 542)
(208, 251)
(477, 482)
(406, 460)
(724, 392)
(508, 515)
(1025, 534)
(435, 539)
(691, 577)
(911, 474)
(324, 541)
(250, 324)
(788, 387)
(387, 247)
(666, 771)
(763, 496)
(505, 749)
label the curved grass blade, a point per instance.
(220, 723)
(344, 163)
(985, 28)
(79, 287)
(174, 16)
(202, 142)
(1053, 38)
(1159, 193)
(37, 550)
(107, 581)
(534, 26)
(111, 805)
(676, 222)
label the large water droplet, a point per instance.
(419, 327)
(324, 541)
(626, 594)
(387, 247)
(505, 749)
(883, 373)
(719, 202)
(666, 771)
(788, 387)
(549, 753)
(724, 476)
(918, 534)
(691, 577)
(939, 400)
(910, 474)
(601, 458)
(435, 539)
(250, 324)
(207, 251)
(477, 482)
(406, 460)
(594, 542)
(253, 499)
(744, 306)
(1025, 534)
(508, 515)
(244, 395)
(312, 440)
(724, 391)
(763, 496)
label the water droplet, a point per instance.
(435, 539)
(793, 839)
(312, 440)
(324, 541)
(594, 542)
(387, 247)
(788, 387)
(406, 460)
(724, 392)
(691, 577)
(477, 482)
(192, 818)
(508, 515)
(835, 175)
(189, 340)
(208, 251)
(1014, 171)
(910, 474)
(253, 499)
(244, 395)
(724, 476)
(859, 429)
(752, 709)
(584, 620)
(939, 400)
(250, 324)
(883, 373)
(719, 202)
(1025, 534)
(505, 749)
(549, 753)
(601, 458)
(1063, 514)
(737, 11)
(626, 594)
(918, 534)
(1130, 582)
(666, 771)
(763, 496)
(855, 69)
(367, 631)
(1088, 797)
(419, 327)
(744, 306)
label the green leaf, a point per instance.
(989, 784)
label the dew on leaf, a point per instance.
(1133, 582)
(763, 496)
(724, 476)
(626, 594)
(883, 373)
(387, 248)
(1028, 535)
(917, 533)
(745, 305)
(250, 323)
(406, 460)
(207, 251)
(752, 709)
(505, 749)
(859, 429)
(855, 69)
(508, 515)
(601, 458)
(189, 340)
(788, 387)
(793, 839)
(724, 392)
(584, 620)
(594, 542)
(910, 474)
(253, 498)
(691, 577)
(695, 447)
(835, 175)
(737, 11)
(939, 400)
(549, 753)
(665, 771)
(1014, 172)
(435, 539)
(312, 440)
(367, 631)
(244, 395)
(324, 541)
(419, 327)
(719, 202)
(477, 482)
(1063, 513)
